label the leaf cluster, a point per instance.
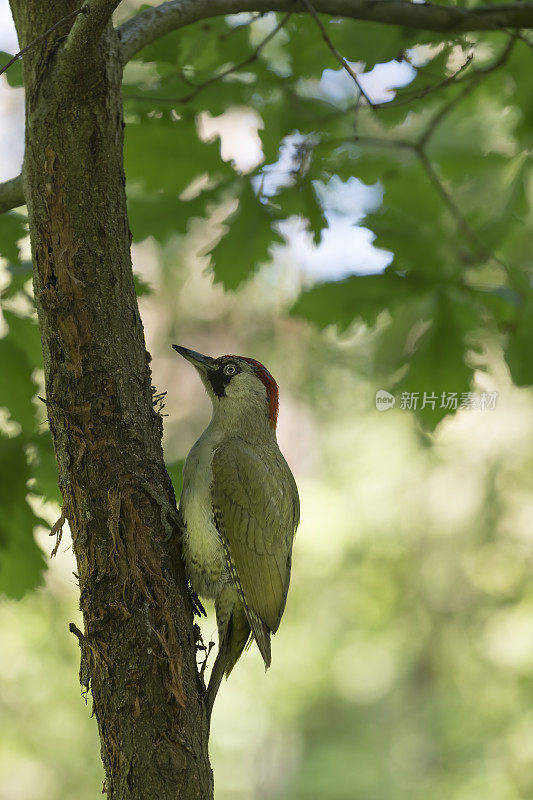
(450, 151)
(27, 463)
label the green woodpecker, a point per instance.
(240, 508)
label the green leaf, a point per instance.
(12, 230)
(301, 199)
(171, 91)
(24, 332)
(156, 215)
(519, 350)
(14, 72)
(519, 95)
(281, 116)
(437, 355)
(423, 92)
(163, 154)
(309, 56)
(425, 342)
(360, 297)
(368, 164)
(415, 224)
(342, 160)
(370, 42)
(201, 47)
(141, 287)
(162, 215)
(21, 560)
(247, 243)
(17, 387)
(20, 274)
(478, 152)
(43, 468)
(503, 304)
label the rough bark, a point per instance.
(138, 647)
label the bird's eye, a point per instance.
(230, 369)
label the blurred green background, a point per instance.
(403, 666)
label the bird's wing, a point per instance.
(256, 509)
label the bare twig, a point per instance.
(501, 60)
(154, 22)
(66, 18)
(460, 220)
(474, 82)
(443, 112)
(340, 58)
(375, 141)
(250, 60)
(220, 75)
(76, 631)
(429, 89)
(457, 78)
(418, 150)
(11, 194)
(462, 223)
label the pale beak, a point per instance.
(201, 362)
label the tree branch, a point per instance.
(11, 194)
(152, 23)
(419, 148)
(219, 76)
(340, 58)
(87, 30)
(409, 97)
(42, 36)
(463, 226)
(462, 223)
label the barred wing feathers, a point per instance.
(256, 510)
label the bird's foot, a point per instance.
(197, 604)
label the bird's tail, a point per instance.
(233, 637)
(240, 634)
(217, 673)
(261, 634)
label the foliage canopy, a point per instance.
(450, 151)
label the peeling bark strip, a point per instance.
(138, 648)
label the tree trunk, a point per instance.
(138, 648)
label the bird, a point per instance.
(239, 508)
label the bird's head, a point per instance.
(236, 384)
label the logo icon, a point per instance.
(384, 400)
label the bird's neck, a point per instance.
(250, 421)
